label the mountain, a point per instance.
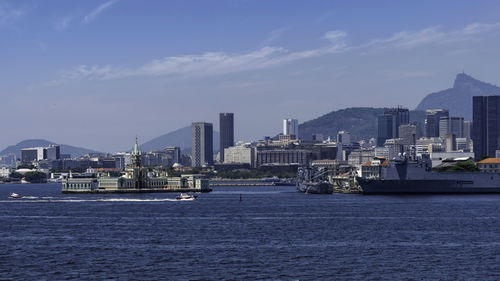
(180, 138)
(361, 122)
(65, 149)
(458, 100)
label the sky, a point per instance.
(97, 73)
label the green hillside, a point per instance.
(65, 149)
(359, 121)
(180, 138)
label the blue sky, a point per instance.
(96, 73)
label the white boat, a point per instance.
(185, 197)
(14, 195)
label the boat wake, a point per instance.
(135, 200)
(33, 199)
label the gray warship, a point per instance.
(310, 180)
(412, 175)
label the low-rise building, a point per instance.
(283, 156)
(240, 154)
(137, 178)
(8, 160)
(373, 169)
(489, 165)
(359, 157)
(4, 172)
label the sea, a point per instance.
(272, 233)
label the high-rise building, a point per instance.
(384, 129)
(432, 122)
(451, 125)
(410, 133)
(401, 116)
(467, 129)
(52, 152)
(202, 144)
(291, 127)
(344, 137)
(388, 124)
(486, 125)
(226, 123)
(173, 153)
(29, 154)
(450, 142)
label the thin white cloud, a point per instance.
(63, 23)
(273, 35)
(334, 35)
(432, 35)
(97, 11)
(9, 15)
(219, 63)
(210, 63)
(476, 28)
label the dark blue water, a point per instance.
(274, 233)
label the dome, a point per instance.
(24, 171)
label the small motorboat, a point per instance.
(14, 196)
(185, 197)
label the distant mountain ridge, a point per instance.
(360, 122)
(180, 137)
(458, 100)
(65, 149)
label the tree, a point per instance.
(26, 166)
(466, 166)
(16, 175)
(35, 177)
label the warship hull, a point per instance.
(469, 184)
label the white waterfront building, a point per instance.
(243, 153)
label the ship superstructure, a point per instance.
(408, 175)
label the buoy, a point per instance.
(241, 199)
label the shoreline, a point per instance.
(149, 190)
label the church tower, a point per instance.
(136, 155)
(138, 173)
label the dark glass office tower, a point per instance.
(384, 129)
(432, 121)
(486, 125)
(226, 122)
(388, 124)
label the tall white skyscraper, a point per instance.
(291, 127)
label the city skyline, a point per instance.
(74, 73)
